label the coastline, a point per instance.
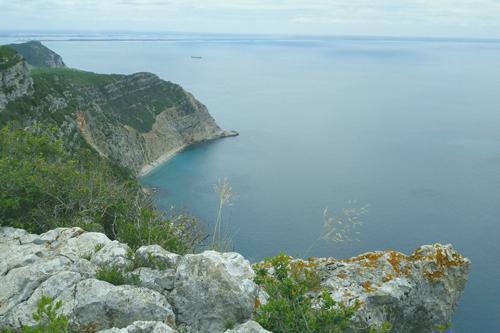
(164, 158)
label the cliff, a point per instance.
(38, 55)
(135, 120)
(204, 292)
(15, 80)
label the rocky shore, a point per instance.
(209, 291)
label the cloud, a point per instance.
(416, 17)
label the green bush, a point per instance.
(290, 308)
(116, 276)
(48, 321)
(44, 187)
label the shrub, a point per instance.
(44, 187)
(116, 276)
(290, 307)
(48, 321)
(296, 302)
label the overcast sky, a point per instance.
(453, 18)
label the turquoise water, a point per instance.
(408, 127)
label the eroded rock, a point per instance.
(212, 289)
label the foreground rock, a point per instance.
(207, 289)
(414, 293)
(211, 291)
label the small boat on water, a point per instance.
(196, 57)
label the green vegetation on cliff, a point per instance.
(8, 58)
(120, 98)
(45, 187)
(38, 55)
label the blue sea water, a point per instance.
(410, 128)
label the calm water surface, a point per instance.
(410, 128)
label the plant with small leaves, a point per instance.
(47, 318)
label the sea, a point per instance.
(406, 130)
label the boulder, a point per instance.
(113, 254)
(142, 327)
(97, 304)
(155, 256)
(213, 289)
(413, 293)
(161, 281)
(248, 327)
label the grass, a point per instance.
(116, 276)
(8, 57)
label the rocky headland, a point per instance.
(138, 121)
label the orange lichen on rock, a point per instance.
(395, 261)
(433, 276)
(443, 260)
(388, 278)
(367, 260)
(257, 304)
(368, 286)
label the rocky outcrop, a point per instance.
(207, 285)
(15, 80)
(415, 293)
(38, 55)
(210, 291)
(200, 293)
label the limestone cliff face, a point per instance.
(15, 81)
(201, 293)
(138, 145)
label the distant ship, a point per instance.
(196, 57)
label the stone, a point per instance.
(113, 254)
(142, 327)
(212, 289)
(155, 256)
(248, 327)
(101, 305)
(414, 293)
(161, 281)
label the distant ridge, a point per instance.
(38, 55)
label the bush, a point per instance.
(290, 307)
(116, 276)
(48, 321)
(44, 187)
(296, 302)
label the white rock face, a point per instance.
(142, 327)
(62, 264)
(98, 304)
(414, 293)
(206, 292)
(212, 289)
(248, 327)
(155, 256)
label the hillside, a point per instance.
(38, 55)
(133, 120)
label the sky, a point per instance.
(423, 18)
